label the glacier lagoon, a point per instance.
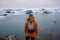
(14, 24)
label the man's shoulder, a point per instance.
(26, 21)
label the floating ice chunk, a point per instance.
(2, 16)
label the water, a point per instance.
(14, 24)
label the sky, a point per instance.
(29, 4)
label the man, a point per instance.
(31, 28)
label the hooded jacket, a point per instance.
(34, 34)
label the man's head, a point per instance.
(31, 18)
(30, 15)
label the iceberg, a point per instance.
(2, 16)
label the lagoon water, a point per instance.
(14, 24)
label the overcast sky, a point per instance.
(29, 3)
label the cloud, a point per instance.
(29, 3)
